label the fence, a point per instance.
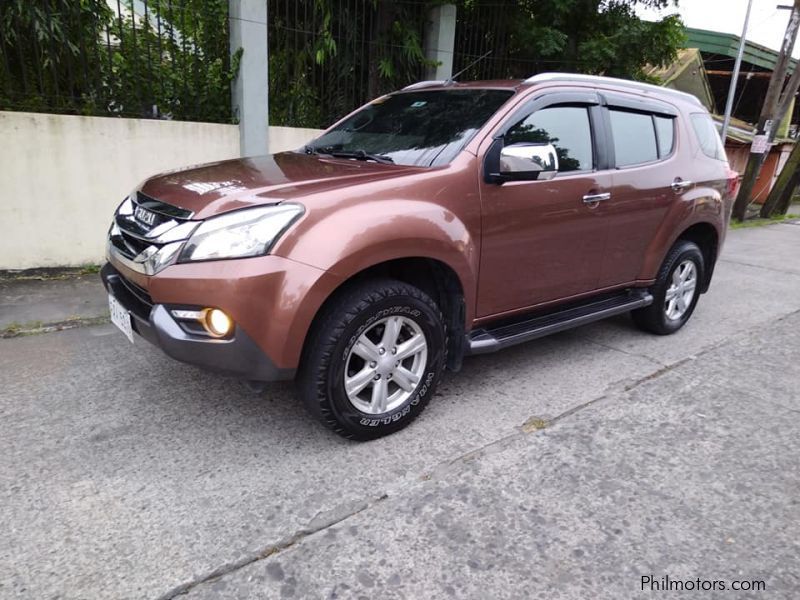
(326, 58)
(483, 27)
(329, 56)
(171, 58)
(132, 58)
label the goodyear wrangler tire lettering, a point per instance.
(336, 379)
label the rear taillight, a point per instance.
(733, 183)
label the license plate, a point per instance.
(120, 317)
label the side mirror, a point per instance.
(526, 162)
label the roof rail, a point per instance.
(424, 84)
(627, 83)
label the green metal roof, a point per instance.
(727, 44)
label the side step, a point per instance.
(483, 341)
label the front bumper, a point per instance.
(236, 355)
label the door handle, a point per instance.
(679, 185)
(592, 198)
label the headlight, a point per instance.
(246, 232)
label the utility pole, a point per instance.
(440, 40)
(766, 121)
(775, 202)
(780, 197)
(735, 77)
(250, 91)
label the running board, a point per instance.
(482, 341)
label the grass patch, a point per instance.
(13, 330)
(760, 222)
(89, 269)
(49, 273)
(534, 424)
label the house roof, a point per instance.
(742, 132)
(727, 44)
(687, 74)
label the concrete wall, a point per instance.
(61, 176)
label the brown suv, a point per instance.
(442, 220)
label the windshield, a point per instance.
(422, 128)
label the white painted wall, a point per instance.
(61, 176)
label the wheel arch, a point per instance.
(706, 236)
(702, 231)
(435, 277)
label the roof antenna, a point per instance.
(452, 78)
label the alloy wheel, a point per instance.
(385, 365)
(681, 291)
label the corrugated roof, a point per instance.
(687, 74)
(742, 132)
(727, 44)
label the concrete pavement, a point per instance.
(126, 475)
(50, 298)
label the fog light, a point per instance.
(217, 322)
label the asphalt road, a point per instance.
(126, 475)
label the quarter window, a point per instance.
(566, 127)
(634, 138)
(707, 136)
(665, 129)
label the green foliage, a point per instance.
(585, 36)
(327, 56)
(41, 43)
(82, 57)
(758, 222)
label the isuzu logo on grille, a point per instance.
(145, 216)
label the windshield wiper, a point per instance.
(357, 154)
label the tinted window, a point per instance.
(665, 128)
(566, 127)
(414, 128)
(634, 138)
(707, 136)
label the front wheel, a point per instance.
(373, 360)
(675, 292)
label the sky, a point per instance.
(767, 22)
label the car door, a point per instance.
(647, 180)
(544, 240)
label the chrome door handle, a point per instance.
(679, 185)
(592, 198)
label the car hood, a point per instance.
(214, 188)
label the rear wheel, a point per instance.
(374, 359)
(675, 292)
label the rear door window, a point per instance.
(634, 137)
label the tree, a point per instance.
(149, 59)
(52, 59)
(328, 56)
(173, 60)
(584, 36)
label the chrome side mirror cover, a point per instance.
(527, 162)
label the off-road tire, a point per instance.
(320, 379)
(653, 318)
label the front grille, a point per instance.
(134, 235)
